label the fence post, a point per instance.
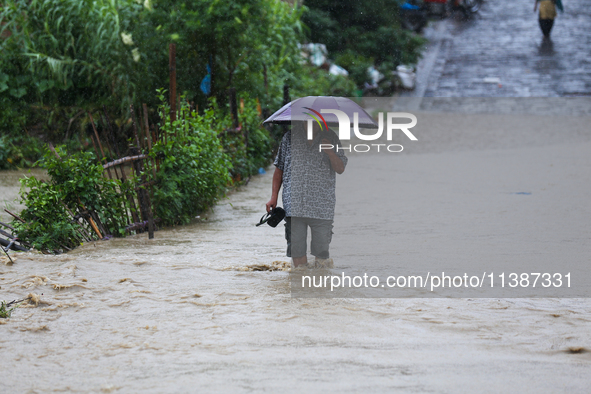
(172, 70)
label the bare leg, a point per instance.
(300, 261)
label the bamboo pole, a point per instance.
(81, 229)
(93, 214)
(144, 199)
(109, 145)
(51, 148)
(149, 137)
(124, 160)
(147, 126)
(14, 216)
(99, 142)
(94, 226)
(134, 126)
(7, 226)
(172, 76)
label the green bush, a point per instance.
(194, 160)
(245, 158)
(77, 183)
(19, 150)
(193, 170)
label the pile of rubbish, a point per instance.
(377, 83)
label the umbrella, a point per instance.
(310, 107)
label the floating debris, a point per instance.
(274, 266)
(576, 350)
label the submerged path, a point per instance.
(179, 313)
(501, 52)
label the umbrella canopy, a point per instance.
(301, 109)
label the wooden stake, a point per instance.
(144, 198)
(92, 223)
(147, 126)
(148, 135)
(81, 229)
(172, 76)
(99, 142)
(109, 146)
(134, 127)
(51, 148)
(14, 216)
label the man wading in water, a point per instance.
(308, 175)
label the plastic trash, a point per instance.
(337, 70)
(315, 53)
(407, 76)
(374, 75)
(262, 171)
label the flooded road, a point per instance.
(501, 52)
(180, 313)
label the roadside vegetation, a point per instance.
(61, 58)
(65, 60)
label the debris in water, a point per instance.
(109, 388)
(34, 299)
(274, 266)
(35, 329)
(60, 287)
(576, 350)
(35, 281)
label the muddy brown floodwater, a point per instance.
(180, 313)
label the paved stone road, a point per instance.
(504, 41)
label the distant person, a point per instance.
(547, 14)
(308, 175)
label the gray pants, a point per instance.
(296, 234)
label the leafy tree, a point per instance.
(241, 39)
(63, 57)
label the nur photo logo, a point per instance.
(344, 132)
